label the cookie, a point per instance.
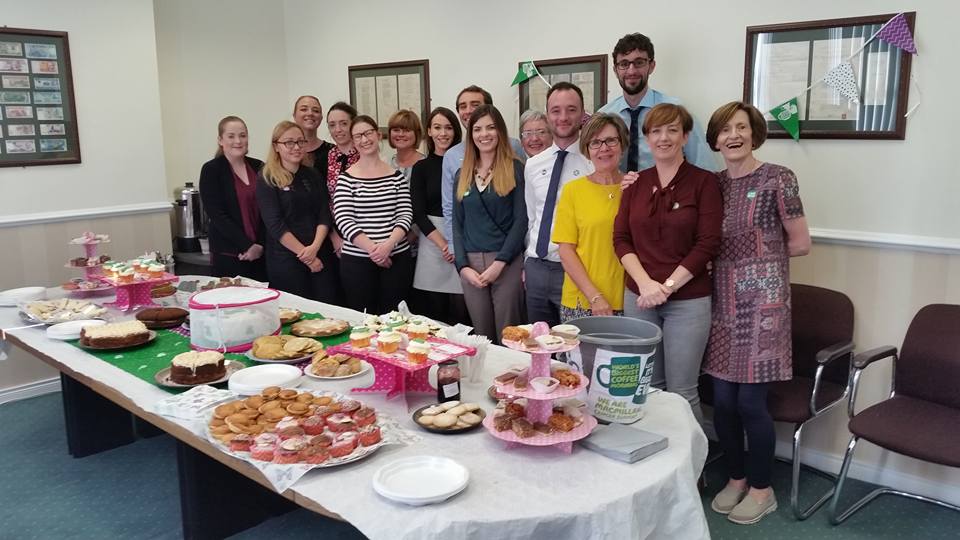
(426, 420)
(457, 411)
(471, 419)
(444, 420)
(447, 405)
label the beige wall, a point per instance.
(218, 58)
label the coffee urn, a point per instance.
(190, 220)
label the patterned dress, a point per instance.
(750, 340)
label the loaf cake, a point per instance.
(195, 367)
(109, 336)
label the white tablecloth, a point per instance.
(526, 492)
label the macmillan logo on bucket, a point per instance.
(619, 385)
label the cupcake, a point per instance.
(262, 452)
(126, 274)
(156, 270)
(388, 342)
(289, 451)
(418, 330)
(364, 417)
(360, 338)
(314, 455)
(418, 351)
(340, 422)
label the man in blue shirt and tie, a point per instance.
(633, 63)
(544, 177)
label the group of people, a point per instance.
(621, 215)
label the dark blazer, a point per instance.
(224, 221)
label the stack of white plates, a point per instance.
(71, 329)
(253, 380)
(14, 297)
(421, 480)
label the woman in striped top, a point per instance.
(372, 209)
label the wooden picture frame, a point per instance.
(38, 114)
(587, 72)
(783, 59)
(379, 90)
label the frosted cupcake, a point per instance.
(360, 337)
(418, 330)
(126, 274)
(156, 270)
(418, 351)
(388, 342)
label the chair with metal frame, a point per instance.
(822, 330)
(919, 419)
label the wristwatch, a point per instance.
(670, 284)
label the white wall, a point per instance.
(875, 186)
(218, 58)
(113, 56)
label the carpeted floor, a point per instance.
(132, 492)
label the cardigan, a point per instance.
(220, 203)
(298, 209)
(485, 222)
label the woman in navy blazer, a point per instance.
(228, 191)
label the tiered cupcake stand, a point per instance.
(136, 294)
(90, 272)
(397, 376)
(540, 406)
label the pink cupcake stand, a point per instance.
(540, 406)
(397, 376)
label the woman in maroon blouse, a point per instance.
(228, 190)
(667, 230)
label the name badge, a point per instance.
(287, 188)
(675, 206)
(751, 194)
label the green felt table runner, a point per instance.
(145, 361)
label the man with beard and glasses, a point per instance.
(544, 177)
(633, 63)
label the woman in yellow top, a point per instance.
(583, 227)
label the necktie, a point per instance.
(633, 154)
(546, 221)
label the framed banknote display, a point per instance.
(799, 60)
(38, 114)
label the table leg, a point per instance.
(93, 422)
(216, 501)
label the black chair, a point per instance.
(822, 329)
(920, 419)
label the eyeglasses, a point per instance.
(369, 134)
(290, 145)
(609, 142)
(533, 133)
(639, 63)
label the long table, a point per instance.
(522, 492)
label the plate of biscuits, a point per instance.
(283, 349)
(336, 366)
(319, 327)
(449, 417)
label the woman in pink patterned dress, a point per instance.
(750, 341)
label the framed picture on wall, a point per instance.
(787, 60)
(587, 72)
(38, 124)
(379, 90)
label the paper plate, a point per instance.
(12, 297)
(421, 480)
(71, 329)
(253, 380)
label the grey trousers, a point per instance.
(686, 328)
(498, 304)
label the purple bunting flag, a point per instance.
(897, 32)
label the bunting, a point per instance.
(842, 79)
(787, 114)
(897, 32)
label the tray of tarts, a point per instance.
(319, 327)
(284, 426)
